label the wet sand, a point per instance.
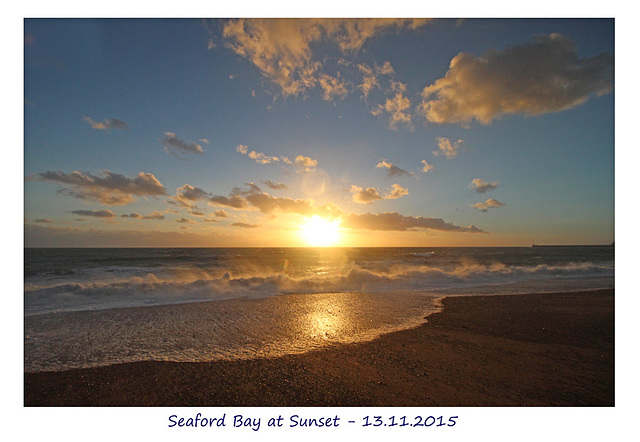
(522, 350)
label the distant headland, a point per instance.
(574, 245)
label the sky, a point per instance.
(305, 132)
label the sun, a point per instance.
(318, 232)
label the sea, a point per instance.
(93, 307)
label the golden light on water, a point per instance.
(319, 232)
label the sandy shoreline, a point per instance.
(523, 350)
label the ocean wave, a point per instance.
(136, 287)
(424, 255)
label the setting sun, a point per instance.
(319, 232)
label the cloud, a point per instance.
(108, 124)
(396, 107)
(221, 213)
(274, 185)
(365, 196)
(352, 34)
(268, 204)
(110, 188)
(481, 186)
(488, 204)
(332, 87)
(371, 194)
(305, 164)
(235, 201)
(426, 167)
(394, 221)
(392, 171)
(185, 221)
(211, 220)
(260, 158)
(44, 221)
(253, 197)
(396, 191)
(369, 81)
(154, 215)
(132, 215)
(173, 145)
(446, 148)
(245, 225)
(38, 235)
(282, 51)
(546, 75)
(187, 194)
(95, 213)
(370, 77)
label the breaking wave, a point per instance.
(129, 287)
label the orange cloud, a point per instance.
(546, 75)
(371, 194)
(481, 186)
(446, 148)
(488, 204)
(392, 171)
(394, 221)
(281, 49)
(110, 188)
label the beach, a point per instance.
(550, 349)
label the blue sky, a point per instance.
(193, 132)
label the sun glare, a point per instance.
(318, 232)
